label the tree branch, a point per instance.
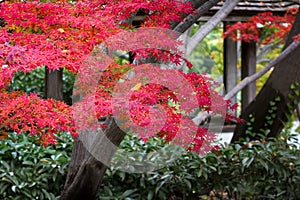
(212, 23)
(201, 117)
(267, 48)
(192, 18)
(264, 70)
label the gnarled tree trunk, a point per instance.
(85, 171)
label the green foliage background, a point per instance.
(33, 82)
(249, 170)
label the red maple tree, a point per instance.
(59, 34)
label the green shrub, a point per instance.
(249, 170)
(30, 82)
(31, 171)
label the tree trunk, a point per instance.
(278, 86)
(85, 171)
(54, 84)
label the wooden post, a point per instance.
(230, 64)
(53, 84)
(248, 68)
(298, 111)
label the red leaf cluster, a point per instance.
(62, 35)
(264, 27)
(145, 97)
(39, 117)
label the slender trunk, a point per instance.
(54, 84)
(278, 86)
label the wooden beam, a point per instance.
(54, 84)
(248, 68)
(227, 19)
(230, 64)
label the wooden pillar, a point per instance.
(298, 111)
(54, 84)
(230, 64)
(248, 68)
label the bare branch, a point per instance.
(262, 60)
(267, 48)
(212, 23)
(192, 18)
(202, 116)
(264, 70)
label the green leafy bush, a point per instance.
(30, 82)
(249, 170)
(31, 171)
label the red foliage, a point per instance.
(264, 27)
(62, 35)
(144, 96)
(297, 37)
(39, 117)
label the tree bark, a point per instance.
(54, 84)
(85, 171)
(202, 8)
(286, 73)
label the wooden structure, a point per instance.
(242, 12)
(246, 9)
